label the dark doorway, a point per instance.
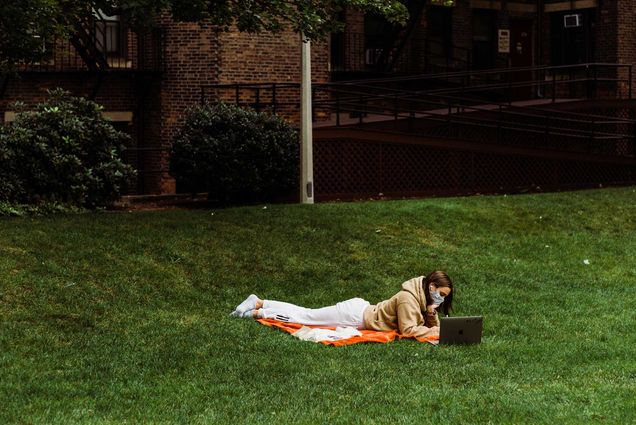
(337, 52)
(521, 57)
(439, 35)
(484, 31)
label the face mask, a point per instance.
(437, 298)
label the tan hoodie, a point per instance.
(404, 311)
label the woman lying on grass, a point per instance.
(412, 311)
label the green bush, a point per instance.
(22, 210)
(235, 155)
(6, 164)
(65, 152)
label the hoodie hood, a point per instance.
(404, 312)
(415, 288)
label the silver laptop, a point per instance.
(460, 330)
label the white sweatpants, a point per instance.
(345, 313)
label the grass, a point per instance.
(123, 318)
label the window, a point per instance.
(109, 36)
(571, 37)
(440, 33)
(43, 53)
(378, 39)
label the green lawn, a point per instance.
(123, 317)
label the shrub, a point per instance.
(64, 151)
(235, 155)
(6, 165)
(19, 210)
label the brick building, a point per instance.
(467, 34)
(146, 81)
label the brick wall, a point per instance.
(199, 55)
(626, 17)
(615, 32)
(606, 40)
(191, 60)
(114, 91)
(462, 24)
(354, 36)
(269, 58)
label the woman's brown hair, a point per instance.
(440, 280)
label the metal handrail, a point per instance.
(371, 102)
(357, 42)
(442, 103)
(145, 55)
(546, 133)
(369, 83)
(464, 100)
(502, 70)
(403, 95)
(483, 72)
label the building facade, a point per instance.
(485, 34)
(146, 82)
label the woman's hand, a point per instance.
(431, 310)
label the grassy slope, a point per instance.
(115, 317)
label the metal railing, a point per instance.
(379, 105)
(262, 97)
(356, 52)
(106, 45)
(501, 124)
(585, 81)
(504, 84)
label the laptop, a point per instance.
(460, 330)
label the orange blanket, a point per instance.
(367, 335)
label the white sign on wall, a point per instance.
(504, 41)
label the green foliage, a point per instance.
(235, 154)
(24, 210)
(6, 166)
(315, 18)
(48, 19)
(24, 27)
(64, 151)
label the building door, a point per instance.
(484, 33)
(521, 57)
(439, 49)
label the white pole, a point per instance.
(306, 142)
